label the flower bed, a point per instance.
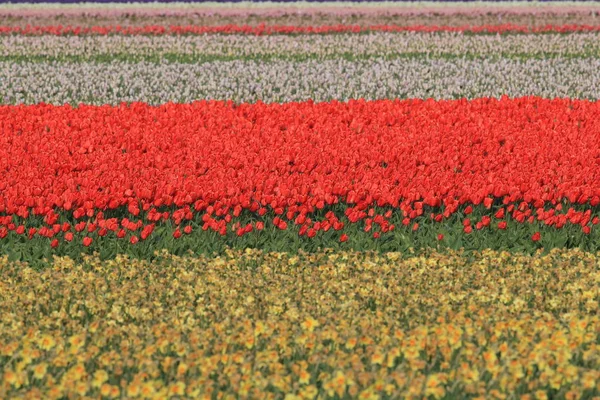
(518, 168)
(255, 324)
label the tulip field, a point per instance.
(299, 200)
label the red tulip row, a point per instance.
(285, 29)
(526, 159)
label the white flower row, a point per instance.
(304, 4)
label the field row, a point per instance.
(284, 81)
(318, 16)
(327, 324)
(148, 8)
(348, 46)
(283, 29)
(384, 152)
(325, 170)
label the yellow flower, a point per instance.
(490, 358)
(556, 381)
(77, 371)
(245, 388)
(94, 326)
(433, 386)
(76, 342)
(105, 390)
(182, 369)
(147, 390)
(100, 376)
(133, 389)
(310, 324)
(541, 395)
(114, 392)
(26, 355)
(10, 377)
(259, 328)
(272, 357)
(163, 345)
(177, 389)
(337, 384)
(81, 388)
(559, 339)
(238, 358)
(377, 358)
(309, 392)
(437, 392)
(39, 371)
(9, 349)
(47, 342)
(433, 381)
(249, 342)
(572, 395)
(392, 354)
(589, 380)
(55, 392)
(368, 395)
(351, 343)
(180, 350)
(304, 377)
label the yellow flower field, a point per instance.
(326, 325)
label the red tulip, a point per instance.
(303, 230)
(79, 227)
